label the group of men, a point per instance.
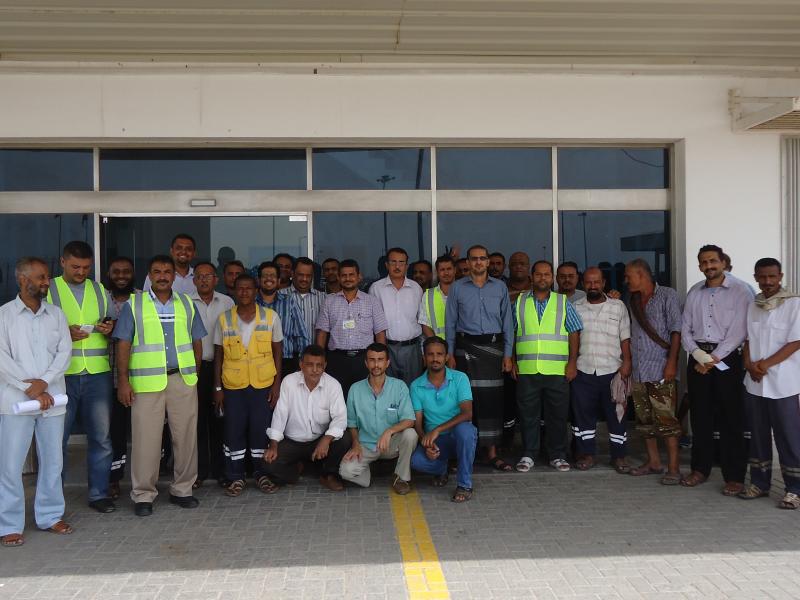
(261, 373)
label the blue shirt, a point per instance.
(125, 327)
(294, 329)
(439, 405)
(371, 414)
(572, 322)
(479, 310)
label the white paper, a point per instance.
(33, 406)
(722, 366)
(87, 328)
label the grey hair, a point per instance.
(25, 263)
(643, 265)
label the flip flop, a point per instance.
(584, 463)
(693, 480)
(732, 491)
(501, 465)
(60, 528)
(646, 470)
(671, 479)
(525, 464)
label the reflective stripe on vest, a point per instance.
(148, 365)
(542, 346)
(90, 354)
(435, 309)
(251, 366)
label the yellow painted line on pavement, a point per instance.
(424, 576)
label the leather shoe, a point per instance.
(104, 505)
(331, 482)
(143, 509)
(184, 501)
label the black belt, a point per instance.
(173, 371)
(410, 342)
(483, 338)
(706, 346)
(349, 353)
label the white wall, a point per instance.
(732, 181)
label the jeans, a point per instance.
(90, 396)
(16, 432)
(459, 442)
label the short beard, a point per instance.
(123, 291)
(594, 295)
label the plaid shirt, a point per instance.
(364, 311)
(294, 328)
(664, 313)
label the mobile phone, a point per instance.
(87, 328)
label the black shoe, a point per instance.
(143, 509)
(184, 501)
(104, 505)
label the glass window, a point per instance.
(210, 169)
(609, 239)
(493, 168)
(219, 239)
(45, 170)
(613, 168)
(365, 236)
(372, 169)
(507, 232)
(42, 235)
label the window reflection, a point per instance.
(23, 170)
(372, 169)
(365, 236)
(613, 168)
(493, 168)
(41, 235)
(609, 239)
(507, 232)
(203, 169)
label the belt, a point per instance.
(349, 353)
(173, 371)
(706, 346)
(483, 338)
(410, 342)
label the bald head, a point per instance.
(594, 284)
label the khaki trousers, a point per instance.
(401, 447)
(179, 402)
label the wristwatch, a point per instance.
(217, 389)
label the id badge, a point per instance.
(349, 324)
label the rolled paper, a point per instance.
(33, 406)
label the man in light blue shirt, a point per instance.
(442, 400)
(35, 350)
(381, 422)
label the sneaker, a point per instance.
(559, 464)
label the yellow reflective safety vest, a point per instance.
(541, 346)
(252, 365)
(147, 370)
(90, 354)
(434, 302)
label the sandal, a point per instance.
(734, 488)
(647, 470)
(113, 490)
(790, 501)
(559, 464)
(751, 492)
(266, 485)
(461, 495)
(440, 480)
(584, 463)
(621, 467)
(693, 479)
(235, 488)
(671, 479)
(11, 540)
(501, 465)
(60, 528)
(525, 464)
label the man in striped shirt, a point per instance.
(308, 302)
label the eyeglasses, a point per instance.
(204, 277)
(478, 258)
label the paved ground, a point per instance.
(537, 535)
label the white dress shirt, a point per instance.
(767, 332)
(305, 415)
(209, 314)
(32, 346)
(422, 312)
(183, 284)
(400, 307)
(605, 326)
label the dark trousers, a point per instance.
(405, 362)
(551, 393)
(718, 392)
(247, 417)
(209, 427)
(347, 369)
(509, 409)
(590, 396)
(779, 417)
(284, 468)
(120, 428)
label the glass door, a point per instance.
(220, 239)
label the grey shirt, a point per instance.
(663, 311)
